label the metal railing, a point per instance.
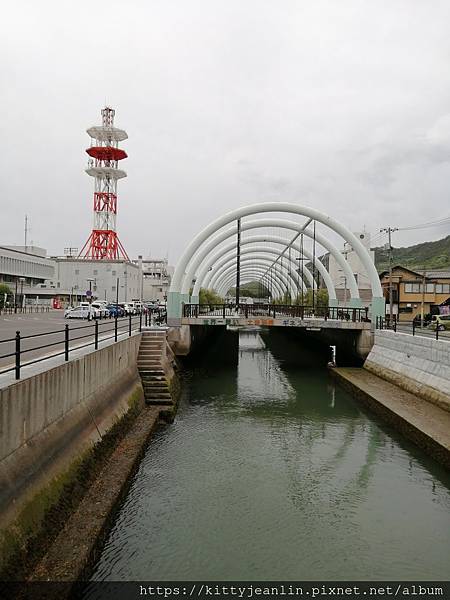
(22, 310)
(194, 311)
(67, 339)
(411, 327)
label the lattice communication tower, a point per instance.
(103, 243)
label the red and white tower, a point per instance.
(103, 243)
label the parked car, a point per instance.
(440, 322)
(129, 308)
(101, 308)
(79, 312)
(115, 310)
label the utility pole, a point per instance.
(238, 264)
(389, 231)
(423, 299)
(26, 234)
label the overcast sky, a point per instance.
(341, 105)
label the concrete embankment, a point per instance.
(426, 424)
(417, 364)
(57, 426)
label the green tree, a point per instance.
(306, 299)
(209, 297)
(4, 289)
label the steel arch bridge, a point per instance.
(237, 248)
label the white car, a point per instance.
(103, 312)
(79, 312)
(129, 308)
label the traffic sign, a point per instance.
(88, 293)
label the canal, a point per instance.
(272, 472)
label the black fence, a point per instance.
(412, 327)
(255, 310)
(23, 310)
(68, 339)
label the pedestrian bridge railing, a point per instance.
(193, 311)
(24, 350)
(413, 327)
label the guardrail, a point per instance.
(29, 308)
(194, 311)
(411, 327)
(68, 338)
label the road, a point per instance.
(49, 327)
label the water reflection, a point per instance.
(272, 472)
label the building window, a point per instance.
(443, 288)
(430, 288)
(113, 288)
(113, 273)
(413, 288)
(77, 271)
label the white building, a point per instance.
(338, 276)
(106, 279)
(157, 275)
(24, 271)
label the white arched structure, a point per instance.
(226, 283)
(205, 274)
(248, 253)
(262, 259)
(176, 295)
(249, 274)
(269, 255)
(221, 236)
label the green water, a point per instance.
(272, 472)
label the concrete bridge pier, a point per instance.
(218, 342)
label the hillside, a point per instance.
(428, 255)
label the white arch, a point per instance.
(278, 287)
(252, 254)
(284, 224)
(174, 297)
(262, 259)
(249, 274)
(205, 274)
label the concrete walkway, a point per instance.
(425, 424)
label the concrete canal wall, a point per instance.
(420, 365)
(49, 422)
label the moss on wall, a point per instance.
(27, 539)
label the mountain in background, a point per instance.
(428, 255)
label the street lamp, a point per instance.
(21, 279)
(90, 297)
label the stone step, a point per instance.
(162, 402)
(148, 362)
(158, 395)
(159, 388)
(151, 373)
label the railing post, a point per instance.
(129, 324)
(140, 321)
(437, 331)
(115, 329)
(414, 327)
(66, 342)
(395, 324)
(17, 354)
(96, 334)
(354, 315)
(223, 311)
(246, 311)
